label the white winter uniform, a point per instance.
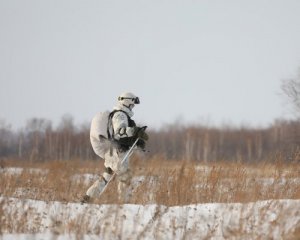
(113, 157)
(121, 129)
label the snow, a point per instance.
(272, 219)
(19, 170)
(86, 178)
(22, 218)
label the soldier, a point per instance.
(112, 141)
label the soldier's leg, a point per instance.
(124, 177)
(98, 185)
(123, 173)
(124, 186)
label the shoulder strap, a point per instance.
(109, 123)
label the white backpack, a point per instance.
(100, 133)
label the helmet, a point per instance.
(128, 99)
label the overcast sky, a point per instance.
(195, 61)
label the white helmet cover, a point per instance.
(128, 99)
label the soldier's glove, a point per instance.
(141, 134)
(141, 144)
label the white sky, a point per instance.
(199, 61)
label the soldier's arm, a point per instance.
(120, 126)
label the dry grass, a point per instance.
(163, 182)
(170, 183)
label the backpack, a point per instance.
(101, 132)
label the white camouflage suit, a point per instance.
(113, 157)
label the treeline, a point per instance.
(200, 143)
(40, 141)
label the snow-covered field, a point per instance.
(272, 219)
(22, 217)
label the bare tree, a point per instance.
(6, 139)
(36, 128)
(291, 88)
(67, 130)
